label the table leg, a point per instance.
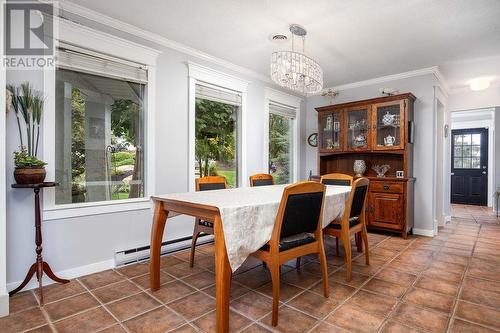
(222, 278)
(159, 220)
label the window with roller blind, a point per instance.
(99, 127)
(281, 141)
(216, 132)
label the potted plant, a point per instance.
(28, 106)
(29, 169)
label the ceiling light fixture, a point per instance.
(481, 83)
(295, 70)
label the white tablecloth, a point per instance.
(248, 214)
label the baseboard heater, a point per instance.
(134, 255)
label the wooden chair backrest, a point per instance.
(337, 179)
(355, 205)
(261, 179)
(210, 183)
(301, 210)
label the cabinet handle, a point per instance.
(386, 187)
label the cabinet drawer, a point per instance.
(386, 187)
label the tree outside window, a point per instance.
(280, 148)
(216, 140)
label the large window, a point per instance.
(216, 133)
(281, 123)
(99, 129)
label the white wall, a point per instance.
(80, 245)
(423, 88)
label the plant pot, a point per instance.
(27, 175)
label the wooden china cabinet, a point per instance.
(378, 131)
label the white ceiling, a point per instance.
(351, 40)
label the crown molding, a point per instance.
(155, 38)
(160, 40)
(382, 79)
(71, 32)
(443, 84)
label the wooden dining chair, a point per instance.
(297, 232)
(337, 179)
(207, 183)
(352, 221)
(343, 180)
(261, 179)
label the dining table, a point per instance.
(243, 221)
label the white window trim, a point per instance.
(273, 95)
(4, 297)
(75, 34)
(198, 73)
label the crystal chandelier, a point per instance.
(295, 70)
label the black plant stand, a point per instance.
(40, 266)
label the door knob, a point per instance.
(484, 172)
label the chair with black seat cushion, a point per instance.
(342, 180)
(207, 183)
(352, 221)
(336, 179)
(261, 179)
(297, 232)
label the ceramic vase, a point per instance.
(359, 168)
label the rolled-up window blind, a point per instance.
(86, 61)
(282, 110)
(218, 94)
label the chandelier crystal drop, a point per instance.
(294, 70)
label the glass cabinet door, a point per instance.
(331, 126)
(389, 126)
(358, 129)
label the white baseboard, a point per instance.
(66, 274)
(447, 219)
(423, 232)
(4, 305)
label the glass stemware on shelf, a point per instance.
(358, 129)
(331, 131)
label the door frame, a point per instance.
(486, 131)
(441, 206)
(457, 123)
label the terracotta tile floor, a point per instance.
(449, 283)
